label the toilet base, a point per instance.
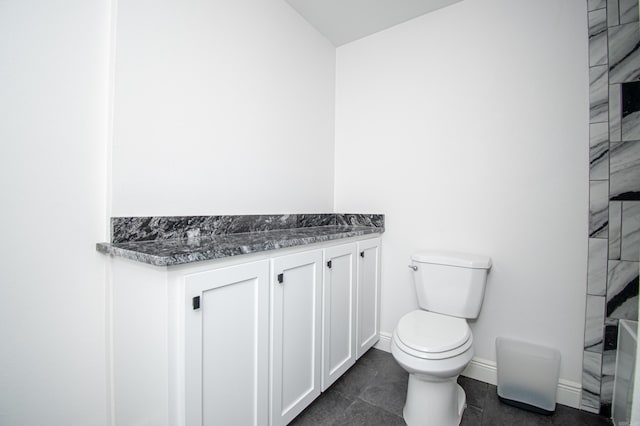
(434, 403)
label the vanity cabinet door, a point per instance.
(296, 292)
(226, 341)
(368, 299)
(339, 312)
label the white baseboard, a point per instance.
(483, 370)
(569, 392)
(384, 344)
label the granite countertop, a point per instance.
(147, 240)
(186, 250)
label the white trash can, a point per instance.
(527, 375)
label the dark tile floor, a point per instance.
(372, 393)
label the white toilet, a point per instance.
(434, 344)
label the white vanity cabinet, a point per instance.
(245, 340)
(368, 329)
(339, 312)
(226, 337)
(296, 324)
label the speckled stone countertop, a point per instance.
(166, 241)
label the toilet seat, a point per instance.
(429, 335)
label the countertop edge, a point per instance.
(227, 252)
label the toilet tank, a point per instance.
(450, 283)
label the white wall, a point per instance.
(482, 104)
(467, 127)
(222, 107)
(52, 173)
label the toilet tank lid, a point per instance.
(453, 258)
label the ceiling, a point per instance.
(343, 21)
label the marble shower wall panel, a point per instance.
(607, 380)
(614, 174)
(598, 151)
(613, 16)
(598, 208)
(608, 366)
(591, 374)
(620, 11)
(628, 10)
(615, 229)
(594, 324)
(624, 167)
(598, 94)
(630, 126)
(622, 290)
(598, 37)
(615, 110)
(597, 273)
(610, 335)
(630, 245)
(624, 53)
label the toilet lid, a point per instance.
(429, 332)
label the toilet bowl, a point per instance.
(434, 344)
(434, 349)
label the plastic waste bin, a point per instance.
(527, 375)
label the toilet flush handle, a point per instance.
(414, 267)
